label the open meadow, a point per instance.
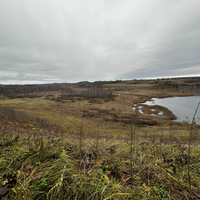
(85, 141)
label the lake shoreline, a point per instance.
(170, 107)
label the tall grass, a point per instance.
(51, 169)
(39, 163)
(190, 137)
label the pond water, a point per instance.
(182, 107)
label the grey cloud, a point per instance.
(67, 41)
(22, 78)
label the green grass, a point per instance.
(40, 165)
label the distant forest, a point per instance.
(95, 89)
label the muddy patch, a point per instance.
(154, 110)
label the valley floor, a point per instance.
(96, 148)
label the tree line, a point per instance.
(20, 91)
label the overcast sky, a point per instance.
(47, 41)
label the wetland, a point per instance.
(84, 141)
(182, 107)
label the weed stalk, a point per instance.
(97, 137)
(131, 157)
(190, 136)
(80, 136)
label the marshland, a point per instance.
(85, 141)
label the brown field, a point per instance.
(114, 116)
(61, 142)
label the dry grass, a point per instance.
(114, 116)
(48, 164)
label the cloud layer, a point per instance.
(68, 41)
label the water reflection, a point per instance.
(182, 107)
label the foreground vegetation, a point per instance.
(36, 163)
(86, 142)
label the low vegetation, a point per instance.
(88, 143)
(38, 164)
